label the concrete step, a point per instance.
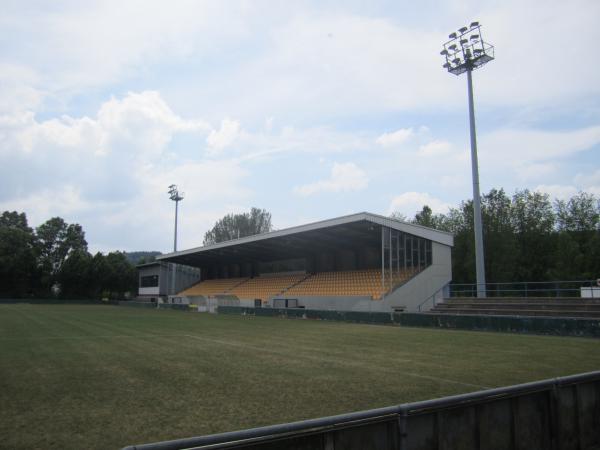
(523, 300)
(518, 312)
(575, 306)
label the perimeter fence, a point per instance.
(556, 414)
(526, 289)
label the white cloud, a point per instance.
(537, 145)
(533, 154)
(395, 138)
(435, 148)
(110, 171)
(18, 91)
(219, 139)
(409, 203)
(557, 191)
(344, 177)
(46, 203)
(586, 180)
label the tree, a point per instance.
(533, 221)
(14, 220)
(121, 276)
(580, 213)
(426, 218)
(18, 269)
(75, 275)
(397, 215)
(500, 242)
(99, 273)
(55, 241)
(234, 226)
(578, 225)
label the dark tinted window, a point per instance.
(149, 281)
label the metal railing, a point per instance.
(433, 299)
(555, 414)
(529, 289)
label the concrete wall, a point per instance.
(423, 286)
(338, 303)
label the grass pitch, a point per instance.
(100, 377)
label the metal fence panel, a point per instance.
(555, 414)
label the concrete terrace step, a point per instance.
(500, 305)
(523, 300)
(517, 312)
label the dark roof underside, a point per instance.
(297, 245)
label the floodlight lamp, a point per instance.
(462, 30)
(446, 66)
(474, 24)
(444, 52)
(452, 35)
(474, 37)
(452, 47)
(463, 41)
(478, 50)
(456, 61)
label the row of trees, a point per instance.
(235, 226)
(53, 259)
(526, 237)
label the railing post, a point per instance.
(402, 431)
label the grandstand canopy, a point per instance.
(356, 230)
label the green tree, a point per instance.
(99, 274)
(234, 226)
(75, 275)
(18, 268)
(426, 218)
(578, 225)
(580, 213)
(121, 275)
(500, 244)
(533, 220)
(55, 241)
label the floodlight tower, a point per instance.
(464, 52)
(176, 196)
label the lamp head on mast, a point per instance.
(466, 50)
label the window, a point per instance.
(149, 281)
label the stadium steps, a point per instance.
(546, 307)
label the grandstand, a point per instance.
(357, 262)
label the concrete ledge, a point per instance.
(558, 326)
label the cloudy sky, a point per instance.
(308, 109)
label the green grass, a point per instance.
(104, 377)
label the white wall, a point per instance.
(430, 281)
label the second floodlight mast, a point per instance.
(464, 52)
(176, 196)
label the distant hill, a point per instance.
(141, 257)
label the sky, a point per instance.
(308, 109)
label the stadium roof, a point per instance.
(298, 241)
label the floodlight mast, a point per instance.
(464, 52)
(176, 196)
